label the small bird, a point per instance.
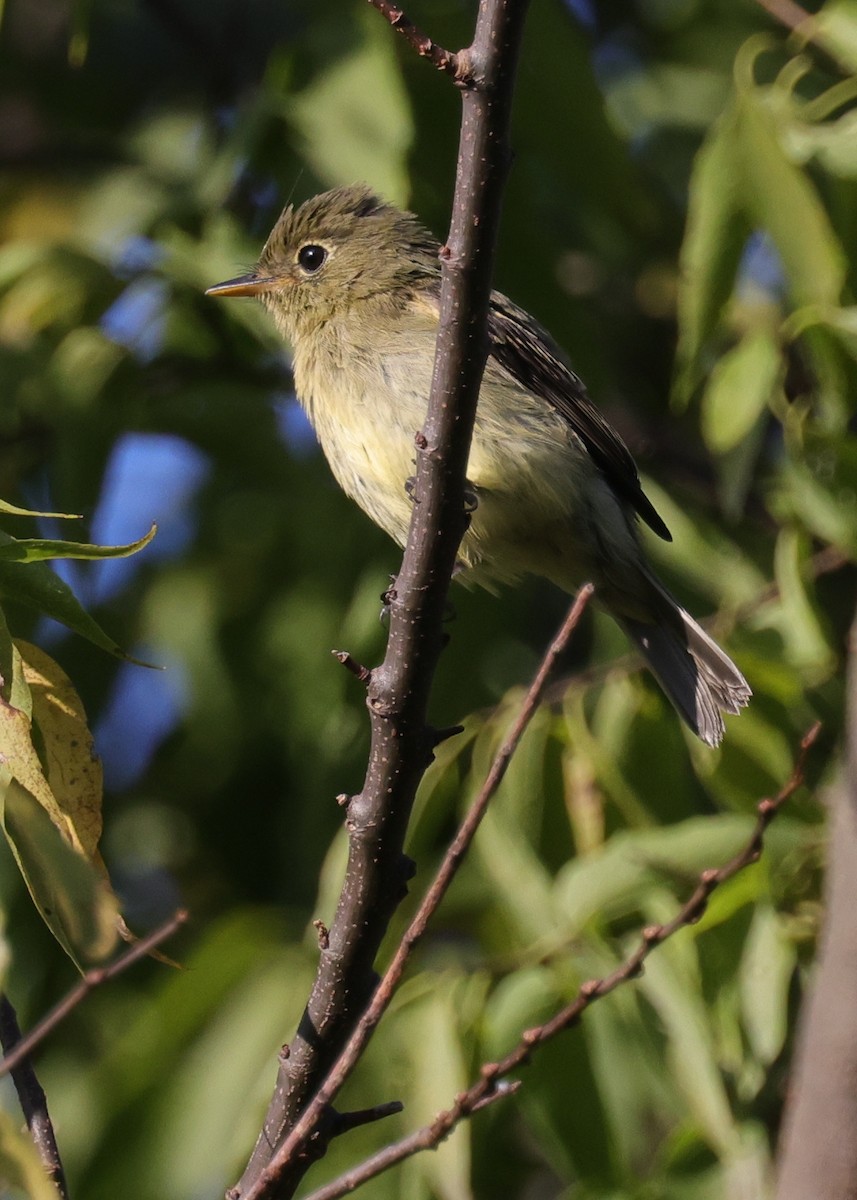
(353, 284)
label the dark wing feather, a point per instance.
(530, 356)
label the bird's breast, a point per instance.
(366, 410)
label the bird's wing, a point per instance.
(527, 352)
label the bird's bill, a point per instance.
(243, 285)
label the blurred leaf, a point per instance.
(20, 1168)
(780, 199)
(612, 882)
(739, 390)
(437, 1075)
(522, 1000)
(71, 894)
(711, 251)
(825, 511)
(767, 966)
(797, 619)
(690, 1047)
(355, 120)
(832, 143)
(835, 28)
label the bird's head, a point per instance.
(331, 254)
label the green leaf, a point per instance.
(14, 692)
(35, 585)
(835, 28)
(28, 512)
(20, 1168)
(674, 992)
(29, 550)
(795, 617)
(780, 199)
(355, 119)
(767, 965)
(437, 1072)
(739, 389)
(612, 882)
(711, 251)
(71, 894)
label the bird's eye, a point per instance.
(311, 257)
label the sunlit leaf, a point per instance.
(780, 199)
(711, 251)
(690, 1046)
(739, 390)
(767, 965)
(355, 119)
(835, 28)
(796, 617)
(49, 765)
(438, 1073)
(67, 749)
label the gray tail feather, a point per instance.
(700, 680)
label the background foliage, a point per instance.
(681, 216)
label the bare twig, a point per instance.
(366, 1116)
(401, 742)
(91, 980)
(34, 1103)
(351, 664)
(806, 28)
(427, 1138)
(786, 12)
(452, 860)
(492, 1083)
(425, 46)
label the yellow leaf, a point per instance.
(70, 764)
(50, 806)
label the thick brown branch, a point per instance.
(401, 742)
(492, 1083)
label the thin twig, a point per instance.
(786, 12)
(34, 1102)
(350, 1056)
(91, 980)
(805, 25)
(492, 1083)
(425, 46)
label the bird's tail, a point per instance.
(700, 680)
